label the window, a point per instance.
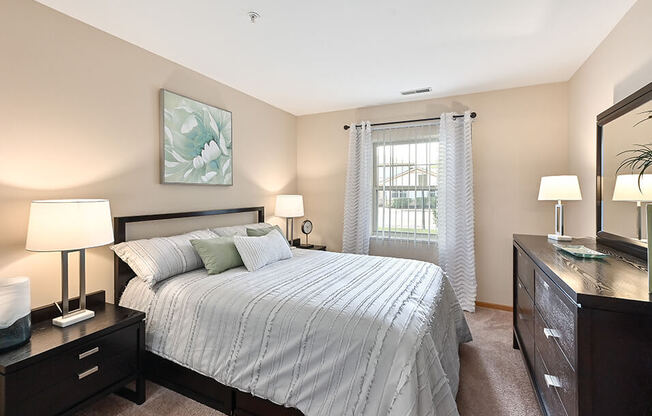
(405, 184)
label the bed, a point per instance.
(319, 334)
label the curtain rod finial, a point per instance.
(346, 127)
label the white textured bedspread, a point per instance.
(326, 333)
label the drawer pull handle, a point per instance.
(545, 285)
(548, 332)
(89, 353)
(88, 372)
(552, 381)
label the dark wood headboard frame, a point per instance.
(122, 273)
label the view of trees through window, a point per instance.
(405, 189)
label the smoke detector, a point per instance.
(253, 16)
(417, 91)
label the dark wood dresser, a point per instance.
(584, 327)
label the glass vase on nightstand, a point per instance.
(15, 313)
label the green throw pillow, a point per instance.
(259, 232)
(218, 254)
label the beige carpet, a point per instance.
(492, 379)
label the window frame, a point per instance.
(401, 235)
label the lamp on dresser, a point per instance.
(289, 207)
(559, 188)
(631, 188)
(69, 225)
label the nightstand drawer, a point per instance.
(77, 373)
(114, 346)
(106, 361)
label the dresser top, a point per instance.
(48, 339)
(619, 280)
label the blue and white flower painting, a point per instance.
(197, 144)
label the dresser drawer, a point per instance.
(525, 320)
(75, 374)
(549, 395)
(557, 366)
(525, 270)
(558, 312)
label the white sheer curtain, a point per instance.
(455, 207)
(358, 197)
(415, 162)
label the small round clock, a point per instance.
(306, 228)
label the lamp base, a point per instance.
(73, 318)
(558, 237)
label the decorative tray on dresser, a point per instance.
(584, 327)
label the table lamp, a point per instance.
(559, 188)
(629, 189)
(67, 226)
(289, 207)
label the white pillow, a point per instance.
(238, 229)
(157, 259)
(257, 252)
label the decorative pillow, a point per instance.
(257, 252)
(238, 229)
(218, 254)
(156, 259)
(261, 231)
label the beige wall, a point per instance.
(79, 114)
(520, 135)
(620, 65)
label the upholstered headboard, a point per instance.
(122, 273)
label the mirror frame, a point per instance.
(619, 242)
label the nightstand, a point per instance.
(62, 369)
(312, 247)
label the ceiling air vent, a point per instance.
(417, 91)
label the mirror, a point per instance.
(622, 199)
(624, 149)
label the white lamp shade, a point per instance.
(627, 189)
(289, 206)
(69, 224)
(560, 188)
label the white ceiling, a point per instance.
(314, 56)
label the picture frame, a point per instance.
(196, 142)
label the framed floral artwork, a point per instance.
(197, 142)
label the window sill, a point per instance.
(404, 240)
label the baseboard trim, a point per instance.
(494, 306)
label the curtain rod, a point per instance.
(346, 126)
